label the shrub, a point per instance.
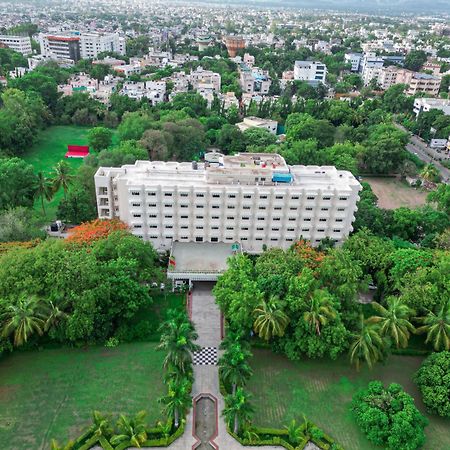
(433, 380)
(389, 417)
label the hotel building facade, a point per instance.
(255, 199)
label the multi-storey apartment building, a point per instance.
(423, 104)
(371, 67)
(354, 59)
(310, 71)
(21, 44)
(254, 80)
(255, 199)
(75, 45)
(423, 82)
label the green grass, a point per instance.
(51, 394)
(48, 150)
(323, 389)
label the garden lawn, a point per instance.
(48, 150)
(323, 389)
(51, 394)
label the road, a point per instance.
(426, 154)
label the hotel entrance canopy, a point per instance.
(200, 261)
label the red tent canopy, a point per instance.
(77, 151)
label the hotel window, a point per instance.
(279, 197)
(152, 205)
(183, 194)
(168, 227)
(320, 230)
(214, 217)
(151, 194)
(215, 206)
(289, 239)
(152, 216)
(137, 215)
(153, 237)
(214, 228)
(261, 218)
(244, 228)
(305, 229)
(322, 220)
(198, 239)
(343, 198)
(199, 217)
(275, 229)
(200, 196)
(168, 194)
(308, 208)
(183, 206)
(135, 193)
(291, 229)
(339, 220)
(262, 207)
(185, 237)
(341, 209)
(168, 217)
(244, 239)
(326, 198)
(336, 230)
(230, 228)
(199, 227)
(259, 239)
(184, 227)
(199, 206)
(310, 197)
(184, 217)
(168, 205)
(153, 226)
(136, 204)
(295, 197)
(231, 207)
(230, 217)
(246, 207)
(216, 195)
(245, 218)
(307, 219)
(274, 239)
(276, 218)
(324, 209)
(138, 226)
(247, 196)
(293, 209)
(262, 197)
(278, 208)
(214, 239)
(232, 196)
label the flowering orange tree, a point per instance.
(89, 232)
(312, 258)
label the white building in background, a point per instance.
(354, 59)
(255, 199)
(423, 104)
(371, 67)
(311, 71)
(256, 122)
(21, 44)
(91, 44)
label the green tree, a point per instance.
(429, 173)
(320, 310)
(99, 138)
(230, 139)
(77, 207)
(441, 197)
(415, 59)
(368, 346)
(394, 320)
(238, 411)
(62, 177)
(434, 383)
(388, 417)
(270, 319)
(437, 327)
(178, 401)
(19, 224)
(234, 367)
(17, 183)
(44, 189)
(257, 139)
(23, 319)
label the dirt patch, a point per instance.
(6, 392)
(393, 193)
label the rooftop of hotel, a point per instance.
(240, 169)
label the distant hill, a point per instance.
(366, 6)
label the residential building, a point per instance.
(422, 82)
(65, 47)
(91, 44)
(154, 91)
(313, 72)
(257, 122)
(228, 99)
(254, 80)
(424, 104)
(200, 78)
(21, 44)
(371, 66)
(254, 199)
(354, 59)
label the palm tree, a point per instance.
(55, 316)
(437, 327)
(101, 425)
(295, 432)
(23, 319)
(62, 177)
(44, 189)
(429, 173)
(394, 320)
(234, 367)
(238, 409)
(177, 401)
(177, 339)
(131, 430)
(368, 345)
(320, 310)
(270, 320)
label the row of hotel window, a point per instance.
(246, 196)
(228, 238)
(214, 228)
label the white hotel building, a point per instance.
(253, 199)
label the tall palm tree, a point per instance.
(131, 430)
(270, 319)
(320, 310)
(238, 410)
(62, 177)
(24, 319)
(368, 344)
(177, 339)
(394, 320)
(234, 367)
(55, 316)
(177, 401)
(437, 327)
(44, 189)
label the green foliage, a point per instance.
(434, 383)
(99, 138)
(415, 59)
(19, 224)
(389, 417)
(257, 139)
